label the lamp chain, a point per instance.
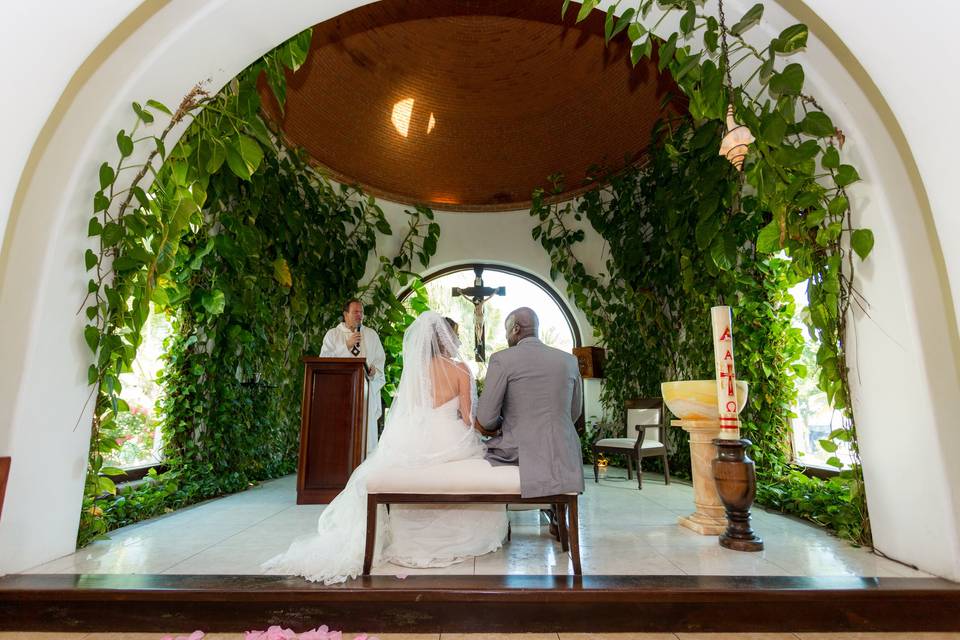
(724, 51)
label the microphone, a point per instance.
(355, 350)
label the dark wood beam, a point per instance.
(478, 603)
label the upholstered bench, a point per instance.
(463, 482)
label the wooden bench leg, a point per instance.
(575, 536)
(371, 534)
(561, 510)
(596, 467)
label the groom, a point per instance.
(531, 397)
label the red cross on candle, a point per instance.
(729, 375)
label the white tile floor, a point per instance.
(623, 531)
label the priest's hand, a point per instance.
(353, 340)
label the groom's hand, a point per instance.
(479, 428)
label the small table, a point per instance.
(710, 518)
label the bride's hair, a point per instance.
(444, 339)
(429, 337)
(447, 337)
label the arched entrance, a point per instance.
(906, 354)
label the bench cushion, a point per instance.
(460, 477)
(628, 443)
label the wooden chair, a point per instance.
(645, 418)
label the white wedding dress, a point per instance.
(417, 434)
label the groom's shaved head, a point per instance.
(526, 318)
(521, 323)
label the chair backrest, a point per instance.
(646, 412)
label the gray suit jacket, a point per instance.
(534, 393)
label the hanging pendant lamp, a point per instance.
(736, 142)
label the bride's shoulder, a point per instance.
(460, 367)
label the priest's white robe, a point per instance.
(335, 346)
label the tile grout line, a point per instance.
(780, 566)
(221, 541)
(682, 571)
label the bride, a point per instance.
(430, 422)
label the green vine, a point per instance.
(252, 252)
(791, 197)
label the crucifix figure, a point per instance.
(479, 294)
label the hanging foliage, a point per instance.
(792, 198)
(650, 306)
(252, 252)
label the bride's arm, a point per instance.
(465, 393)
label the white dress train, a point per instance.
(417, 436)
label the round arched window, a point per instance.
(557, 326)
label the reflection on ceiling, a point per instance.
(400, 117)
(468, 104)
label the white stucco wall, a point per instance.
(909, 51)
(907, 391)
(40, 40)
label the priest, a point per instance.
(350, 339)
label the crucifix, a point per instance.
(479, 294)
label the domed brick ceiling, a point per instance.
(468, 104)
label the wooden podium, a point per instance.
(333, 427)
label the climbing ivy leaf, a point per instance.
(846, 175)
(818, 124)
(214, 302)
(749, 19)
(861, 240)
(787, 82)
(769, 239)
(791, 39)
(107, 176)
(124, 143)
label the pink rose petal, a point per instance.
(277, 632)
